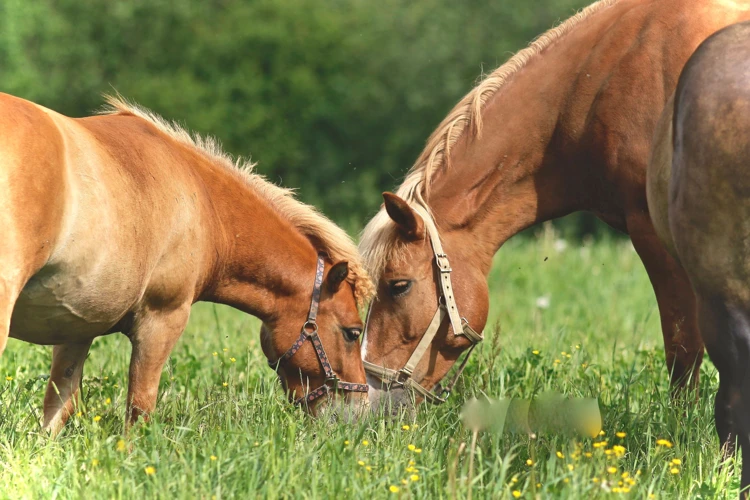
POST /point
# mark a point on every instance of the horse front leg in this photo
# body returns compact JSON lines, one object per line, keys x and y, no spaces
{"x":62,"y":388}
{"x":153,"y":336}
{"x":683,"y":344}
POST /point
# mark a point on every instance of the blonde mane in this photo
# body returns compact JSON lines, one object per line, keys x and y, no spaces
{"x":323,"y":233}
{"x":379,"y":241}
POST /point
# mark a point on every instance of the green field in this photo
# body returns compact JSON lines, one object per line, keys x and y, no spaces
{"x":223,"y":429}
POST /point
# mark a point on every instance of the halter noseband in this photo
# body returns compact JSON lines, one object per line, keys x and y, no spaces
{"x":310,"y":332}
{"x":446,"y":307}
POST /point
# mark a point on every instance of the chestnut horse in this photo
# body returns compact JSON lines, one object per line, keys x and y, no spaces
{"x":699,"y":195}
{"x":118,"y":223}
{"x":565,"y":125}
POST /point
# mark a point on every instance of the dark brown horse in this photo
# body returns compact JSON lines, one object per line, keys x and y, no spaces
{"x":699,"y":192}
{"x":118,"y":223}
{"x":565,"y":125}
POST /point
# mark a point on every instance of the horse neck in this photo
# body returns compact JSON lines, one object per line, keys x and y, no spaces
{"x":261,"y":258}
{"x":526,"y":166}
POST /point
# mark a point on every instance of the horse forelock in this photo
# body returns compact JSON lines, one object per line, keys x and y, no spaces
{"x":321,"y":231}
{"x":379,"y":241}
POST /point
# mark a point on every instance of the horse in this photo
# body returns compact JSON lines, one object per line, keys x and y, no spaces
{"x":700,"y":204}
{"x":565,"y":125}
{"x":120,"y":222}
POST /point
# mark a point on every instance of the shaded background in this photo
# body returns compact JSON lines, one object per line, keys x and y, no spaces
{"x":334,"y":97}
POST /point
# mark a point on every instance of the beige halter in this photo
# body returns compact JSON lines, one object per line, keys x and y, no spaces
{"x":446,"y":306}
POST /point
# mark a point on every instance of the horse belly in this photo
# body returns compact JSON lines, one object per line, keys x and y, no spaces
{"x":60,"y":305}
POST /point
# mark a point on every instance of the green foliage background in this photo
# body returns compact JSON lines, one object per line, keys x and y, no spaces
{"x":334,"y":97}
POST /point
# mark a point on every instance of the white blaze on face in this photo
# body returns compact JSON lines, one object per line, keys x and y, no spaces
{"x":363,"y":349}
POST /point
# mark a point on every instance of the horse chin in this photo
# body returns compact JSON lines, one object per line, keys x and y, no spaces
{"x":394,"y":402}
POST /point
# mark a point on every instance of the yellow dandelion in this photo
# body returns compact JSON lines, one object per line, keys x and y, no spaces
{"x":619,"y":450}
{"x":529,"y":462}
{"x":107,"y":401}
{"x":595,"y":480}
{"x":674,"y":470}
{"x":535,"y":352}
{"x":225,"y":384}
{"x":663,"y":442}
{"x":213,"y":458}
{"x":607,"y":452}
{"x":365,"y":442}
{"x":97,"y":418}
{"x":568,"y":356}
{"x":404,"y":481}
{"x":120,"y":446}
{"x":346,"y":443}
{"x":215,"y":353}
{"x":150,"y":471}
{"x":405,"y":427}
{"x":8,"y":378}
{"x":625,"y":489}
{"x":361,"y":463}
{"x":106,"y":378}
{"x":256,"y":443}
{"x":514,"y":479}
{"x":516,"y":494}
{"x":611,"y":470}
{"x":559,"y":454}
{"x":412,"y":462}
{"x":368,"y":468}
{"x":393,"y":488}
{"x":588,"y":454}
{"x":557,"y":361}
{"x":414,"y":477}
{"x":602,"y":433}
{"x":418,"y":450}
{"x":225,"y":349}
{"x":676,"y":461}
{"x":584,"y":365}
{"x":625,"y":474}
{"x":538,"y":485}
{"x":566,"y":480}
{"x":411,"y":469}
{"x":578,"y":346}
{"x":621,"y":434}
{"x":616,"y":490}
{"x":651,"y":495}
{"x":79,"y":414}
{"x":232,"y":359}
{"x":564,"y":353}
{"x":571,"y":467}
{"x":94,"y":462}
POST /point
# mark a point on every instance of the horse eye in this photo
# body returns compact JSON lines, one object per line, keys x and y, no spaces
{"x":352,"y":334}
{"x":399,"y":288}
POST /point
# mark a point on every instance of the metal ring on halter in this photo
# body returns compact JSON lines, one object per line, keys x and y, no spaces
{"x":312,"y":324}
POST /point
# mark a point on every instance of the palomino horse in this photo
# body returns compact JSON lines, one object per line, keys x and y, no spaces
{"x":565,"y":125}
{"x":118,"y":223}
{"x":699,"y":194}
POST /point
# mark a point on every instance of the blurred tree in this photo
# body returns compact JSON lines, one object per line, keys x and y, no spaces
{"x":335,"y":98}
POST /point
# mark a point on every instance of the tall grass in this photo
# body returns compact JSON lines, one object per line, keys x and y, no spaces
{"x":580,"y":320}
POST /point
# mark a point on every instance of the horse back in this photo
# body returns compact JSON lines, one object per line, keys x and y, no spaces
{"x":123,"y":218}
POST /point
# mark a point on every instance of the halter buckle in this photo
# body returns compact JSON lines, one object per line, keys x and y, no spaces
{"x":402,"y":380}
{"x":443,"y":264}
{"x":334,"y":383}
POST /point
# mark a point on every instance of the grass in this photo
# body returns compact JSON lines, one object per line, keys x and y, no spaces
{"x":211,"y":440}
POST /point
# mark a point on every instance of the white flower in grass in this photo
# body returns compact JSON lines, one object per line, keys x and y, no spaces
{"x":542,"y":302}
{"x":560,"y":245}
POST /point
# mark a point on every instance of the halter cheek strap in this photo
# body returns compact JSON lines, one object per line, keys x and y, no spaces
{"x":446,"y":307}
{"x":310,"y":332}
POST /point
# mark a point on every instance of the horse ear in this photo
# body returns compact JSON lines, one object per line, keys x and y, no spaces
{"x":337,"y":275}
{"x":411,"y":224}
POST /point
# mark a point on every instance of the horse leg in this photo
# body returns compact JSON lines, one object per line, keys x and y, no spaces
{"x":683,"y":344}
{"x":153,"y":336}
{"x":726,"y":330}
{"x":60,"y":400}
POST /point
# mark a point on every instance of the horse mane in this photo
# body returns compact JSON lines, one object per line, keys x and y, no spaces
{"x":321,"y":231}
{"x":379,"y":240}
